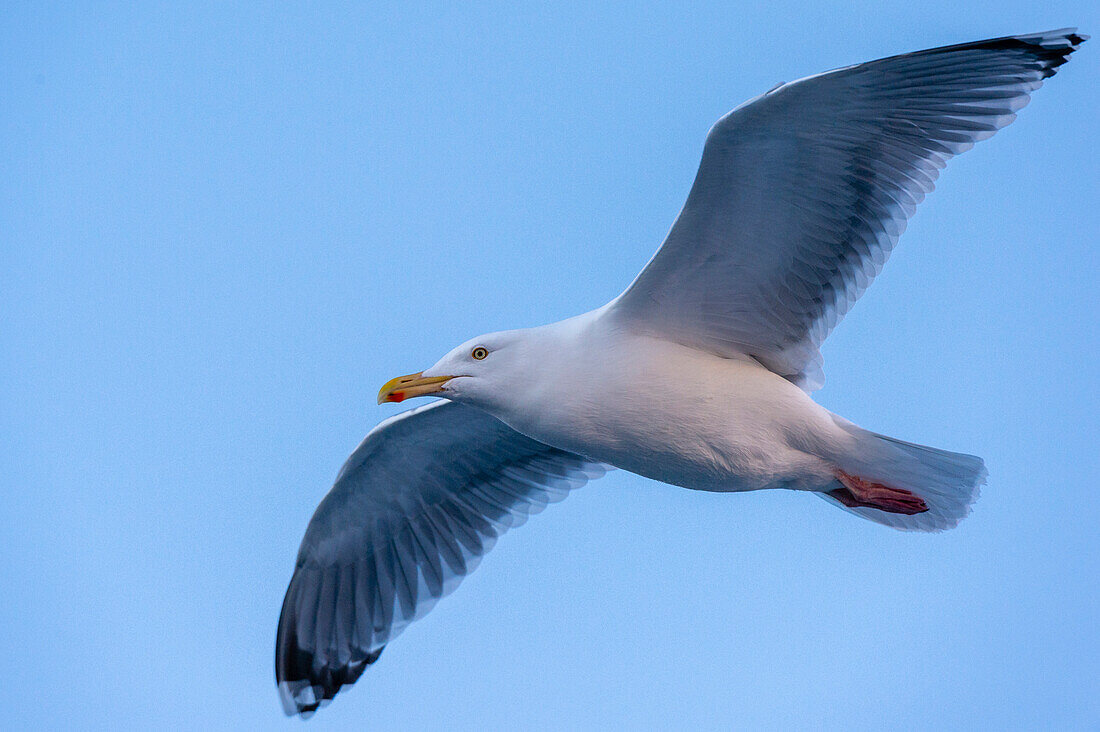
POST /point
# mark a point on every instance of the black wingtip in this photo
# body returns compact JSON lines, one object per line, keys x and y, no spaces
{"x":1057,"y":46}
{"x":1050,"y":48}
{"x":303,"y":690}
{"x":305,"y":685}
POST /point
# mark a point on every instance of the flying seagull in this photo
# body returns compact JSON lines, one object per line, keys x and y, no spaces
{"x":697,"y":375}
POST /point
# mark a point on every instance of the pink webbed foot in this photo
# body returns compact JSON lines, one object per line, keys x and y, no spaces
{"x":860,"y":493}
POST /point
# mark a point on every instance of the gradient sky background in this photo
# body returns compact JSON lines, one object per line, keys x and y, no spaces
{"x":223,"y":229}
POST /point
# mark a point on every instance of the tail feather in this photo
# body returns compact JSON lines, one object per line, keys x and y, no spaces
{"x":949,"y":482}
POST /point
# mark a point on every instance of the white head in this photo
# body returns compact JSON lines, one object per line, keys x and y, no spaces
{"x":481,"y":371}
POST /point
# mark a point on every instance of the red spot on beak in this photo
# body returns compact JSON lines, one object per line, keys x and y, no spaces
{"x":397,"y":396}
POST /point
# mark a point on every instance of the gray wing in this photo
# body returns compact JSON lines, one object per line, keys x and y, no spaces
{"x":803,"y":192}
{"x":415,"y":507}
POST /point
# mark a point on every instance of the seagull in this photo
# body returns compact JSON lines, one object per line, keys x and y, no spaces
{"x":699,"y":374}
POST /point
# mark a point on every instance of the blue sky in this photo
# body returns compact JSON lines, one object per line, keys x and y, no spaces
{"x":224,"y":228}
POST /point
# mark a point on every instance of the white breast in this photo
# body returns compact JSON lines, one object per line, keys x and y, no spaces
{"x":674,"y":414}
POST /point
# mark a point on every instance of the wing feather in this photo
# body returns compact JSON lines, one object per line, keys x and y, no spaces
{"x":803,"y":192}
{"x":414,"y":508}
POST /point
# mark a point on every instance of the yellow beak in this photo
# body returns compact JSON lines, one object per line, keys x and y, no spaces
{"x":413,"y":385}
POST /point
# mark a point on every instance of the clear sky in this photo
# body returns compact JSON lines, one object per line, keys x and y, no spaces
{"x":222,"y":229}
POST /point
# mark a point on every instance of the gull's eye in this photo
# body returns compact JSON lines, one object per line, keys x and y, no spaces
{"x":479,"y":353}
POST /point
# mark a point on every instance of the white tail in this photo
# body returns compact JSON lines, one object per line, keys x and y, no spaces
{"x":949,"y":482}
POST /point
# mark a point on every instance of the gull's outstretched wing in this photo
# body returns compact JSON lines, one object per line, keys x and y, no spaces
{"x":802,"y":193}
{"x":417,"y":504}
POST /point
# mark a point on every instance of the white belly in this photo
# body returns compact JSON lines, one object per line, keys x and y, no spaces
{"x":686,"y":417}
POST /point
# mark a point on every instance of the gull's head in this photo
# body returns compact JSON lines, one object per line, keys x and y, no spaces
{"x":480,"y":371}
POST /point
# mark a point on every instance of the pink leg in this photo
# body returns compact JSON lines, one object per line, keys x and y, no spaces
{"x":860,"y":493}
